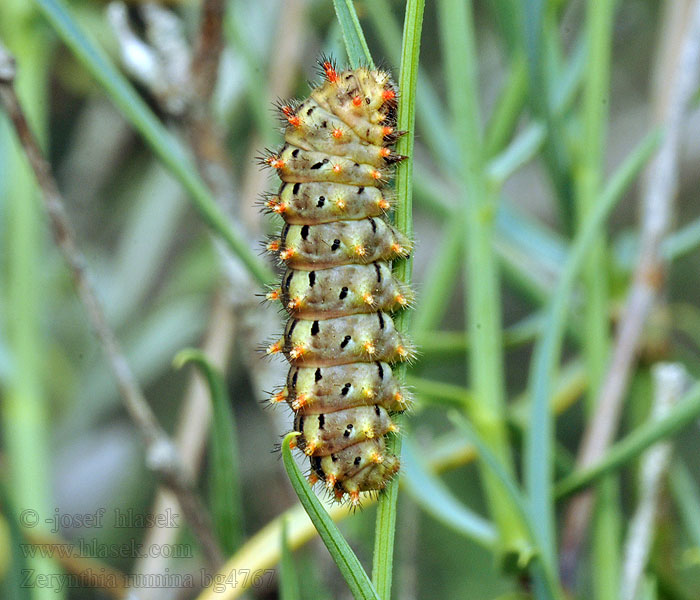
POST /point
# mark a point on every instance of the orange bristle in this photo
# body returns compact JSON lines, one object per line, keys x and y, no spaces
{"x":297,"y":352}
{"x":331,"y":73}
{"x":376,"y":174}
{"x":384,"y":152}
{"x":337,"y":133}
{"x":388,"y":95}
{"x":275,"y":162}
{"x":274,"y":246}
{"x":278,"y":397}
{"x":387,"y":131}
{"x":294,"y":304}
{"x":340,"y":203}
{"x":287,"y":253}
{"x":300,"y":401}
{"x":368,"y":298}
{"x":355,"y":498}
{"x":330,"y":481}
{"x":294,"y":121}
{"x":313,"y":479}
{"x":357,"y":101}
{"x":383,"y":204}
{"x":337,"y":168}
{"x":360,"y":250}
{"x":400,"y":299}
{"x":274,"y":294}
{"x":369,"y":348}
{"x":274,"y":348}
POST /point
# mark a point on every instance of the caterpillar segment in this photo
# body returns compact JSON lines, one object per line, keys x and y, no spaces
{"x":344,"y":340}
{"x":315,"y":390}
{"x":312,"y":203}
{"x":338,"y":287}
{"x":295,"y":165}
{"x":327,"y":245}
{"x":315,"y":129}
{"x":343,"y":290}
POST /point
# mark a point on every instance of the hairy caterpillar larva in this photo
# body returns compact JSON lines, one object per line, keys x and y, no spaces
{"x":338,"y":287}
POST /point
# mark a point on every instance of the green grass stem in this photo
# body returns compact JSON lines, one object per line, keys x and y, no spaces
{"x":353,"y":36}
{"x":481,"y":278}
{"x":385,"y":529}
{"x":428,"y":491}
{"x":289,"y":581}
{"x":25,"y":403}
{"x":588,"y":178}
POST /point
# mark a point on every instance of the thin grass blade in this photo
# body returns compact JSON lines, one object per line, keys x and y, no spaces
{"x":350,"y":567}
{"x":355,"y":43}
{"x":224,"y":482}
{"x":627,"y":449}
{"x":435,"y":499}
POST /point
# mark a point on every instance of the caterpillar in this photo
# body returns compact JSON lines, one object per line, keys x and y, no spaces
{"x":336,"y":246}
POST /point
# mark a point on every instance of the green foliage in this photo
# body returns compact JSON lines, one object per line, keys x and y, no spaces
{"x":526,"y":138}
{"x":224,"y":478}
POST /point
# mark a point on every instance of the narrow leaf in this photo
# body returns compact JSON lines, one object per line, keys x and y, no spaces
{"x":355,"y":43}
{"x":289,"y":581}
{"x":349,"y":565}
{"x":224,"y":481}
{"x":682,"y":414}
{"x":433,"y":497}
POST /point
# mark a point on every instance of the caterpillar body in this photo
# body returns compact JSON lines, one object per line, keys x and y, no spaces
{"x":338,"y":287}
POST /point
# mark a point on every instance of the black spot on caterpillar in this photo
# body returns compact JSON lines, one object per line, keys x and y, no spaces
{"x":341,"y":339}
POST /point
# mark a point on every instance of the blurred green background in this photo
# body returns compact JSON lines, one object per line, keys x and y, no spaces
{"x":69,"y":448}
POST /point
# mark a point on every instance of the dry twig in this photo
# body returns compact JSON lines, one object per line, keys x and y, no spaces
{"x":669,"y":383}
{"x":161,"y":454}
{"x":679,"y":63}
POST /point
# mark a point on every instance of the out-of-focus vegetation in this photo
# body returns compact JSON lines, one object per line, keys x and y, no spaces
{"x":554,"y":185}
